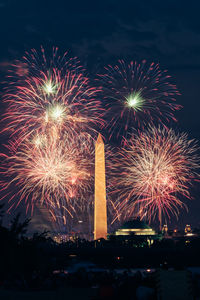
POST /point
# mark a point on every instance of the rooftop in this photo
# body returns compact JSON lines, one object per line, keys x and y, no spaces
{"x":135,"y":224}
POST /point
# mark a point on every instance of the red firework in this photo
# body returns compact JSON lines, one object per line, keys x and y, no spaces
{"x":49,"y":171}
{"x":157,"y":168}
{"x":50,"y":92}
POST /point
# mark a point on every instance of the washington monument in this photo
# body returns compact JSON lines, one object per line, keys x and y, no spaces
{"x":100,"y":209}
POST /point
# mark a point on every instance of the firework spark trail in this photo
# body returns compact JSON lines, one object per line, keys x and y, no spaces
{"x":52,"y":112}
{"x":136,"y":95}
{"x":157,"y":168}
{"x":54,"y":172}
{"x":81,"y":205}
{"x":51,"y":106}
{"x":51,"y":172}
{"x":50,"y":92}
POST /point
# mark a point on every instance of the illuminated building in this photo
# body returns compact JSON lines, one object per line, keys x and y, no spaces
{"x":135,"y":233}
{"x":165,"y":229}
{"x":61,"y":238}
{"x":135,"y":227}
{"x":100,"y":209}
{"x":188,"y":229}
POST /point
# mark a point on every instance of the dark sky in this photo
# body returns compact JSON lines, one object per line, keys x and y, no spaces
{"x":99,"y":32}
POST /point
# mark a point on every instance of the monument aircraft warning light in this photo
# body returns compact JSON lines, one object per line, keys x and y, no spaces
{"x":100,"y":209}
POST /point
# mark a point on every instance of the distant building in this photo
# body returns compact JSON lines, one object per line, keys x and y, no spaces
{"x":165,"y":229}
{"x":135,"y":227}
{"x":188,"y":229}
{"x":136,"y":233}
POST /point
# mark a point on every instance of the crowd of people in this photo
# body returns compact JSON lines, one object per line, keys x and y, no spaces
{"x":103,"y":285}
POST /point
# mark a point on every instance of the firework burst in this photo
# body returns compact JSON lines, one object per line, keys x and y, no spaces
{"x":50,"y":171}
{"x":54,"y":172}
{"x":157,"y":168}
{"x":136,"y":95}
{"x":48,"y":93}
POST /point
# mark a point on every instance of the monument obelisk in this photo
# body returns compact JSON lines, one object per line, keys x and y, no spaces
{"x":100,"y":209}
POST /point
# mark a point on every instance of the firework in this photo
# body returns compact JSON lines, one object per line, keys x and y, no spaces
{"x":56,"y":173}
{"x":52,"y":92}
{"x":136,"y":95}
{"x":50,"y":171}
{"x":157,"y":168}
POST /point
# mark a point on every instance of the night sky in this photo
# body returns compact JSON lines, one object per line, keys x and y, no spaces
{"x":101,"y":32}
